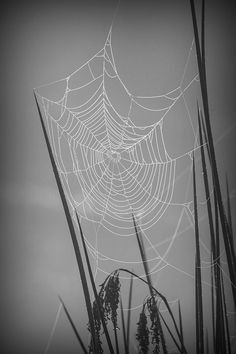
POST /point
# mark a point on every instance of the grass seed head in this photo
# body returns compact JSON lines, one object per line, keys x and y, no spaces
{"x":155,"y":324}
{"x":142,"y":334}
{"x":111,"y":298}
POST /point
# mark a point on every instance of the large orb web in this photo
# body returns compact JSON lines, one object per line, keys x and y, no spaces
{"x":120,"y":154}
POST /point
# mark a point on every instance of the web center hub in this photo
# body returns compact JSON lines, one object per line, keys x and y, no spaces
{"x":113,"y":155}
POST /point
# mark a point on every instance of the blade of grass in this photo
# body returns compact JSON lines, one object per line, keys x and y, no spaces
{"x":197,"y":319}
{"x":73,"y":326}
{"x":198,"y":287}
{"x":123,"y":326}
{"x":71,"y":228}
{"x":181,"y":326}
{"x":213,"y":273}
{"x":203,"y":38}
{"x":143,"y":256}
{"x":207,"y":343}
{"x":205,"y":137}
{"x":229,"y":211}
{"x":220,"y":345}
{"x":225,"y":316}
{"x":116,"y":341}
{"x":170,"y":333}
{"x":53,"y":330}
{"x":207,"y":189}
{"x":145,"y":265}
{"x":94,"y":288}
{"x":229,"y":214}
{"x":210,"y":222}
{"x":129,"y":311}
{"x":229,"y":222}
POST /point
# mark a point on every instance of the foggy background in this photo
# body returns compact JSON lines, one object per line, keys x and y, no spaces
{"x":44,"y":41}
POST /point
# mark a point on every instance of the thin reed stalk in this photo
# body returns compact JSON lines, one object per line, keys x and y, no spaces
{"x":229,"y":221}
{"x":220,"y":344}
{"x":73,"y":326}
{"x":207,"y":343}
{"x":71,"y":228}
{"x":116,"y":340}
{"x":198,"y":284}
{"x":229,"y":214}
{"x":145,"y":265}
{"x":210,"y":222}
{"x":213,"y":317}
{"x":129,"y":310}
{"x":207,"y":190}
{"x":170,"y":333}
{"x":225,"y":317}
{"x":181,"y":326}
{"x":100,"y":309}
{"x":123,"y":327}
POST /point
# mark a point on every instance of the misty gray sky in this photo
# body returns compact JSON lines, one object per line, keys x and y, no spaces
{"x":45,"y":41}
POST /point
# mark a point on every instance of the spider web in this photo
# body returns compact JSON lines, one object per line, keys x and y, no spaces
{"x":111,"y":167}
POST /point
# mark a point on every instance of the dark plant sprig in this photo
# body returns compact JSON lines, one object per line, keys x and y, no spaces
{"x":111,"y":298}
{"x":142,"y":334}
{"x":110,"y":295}
{"x":155,"y":327}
